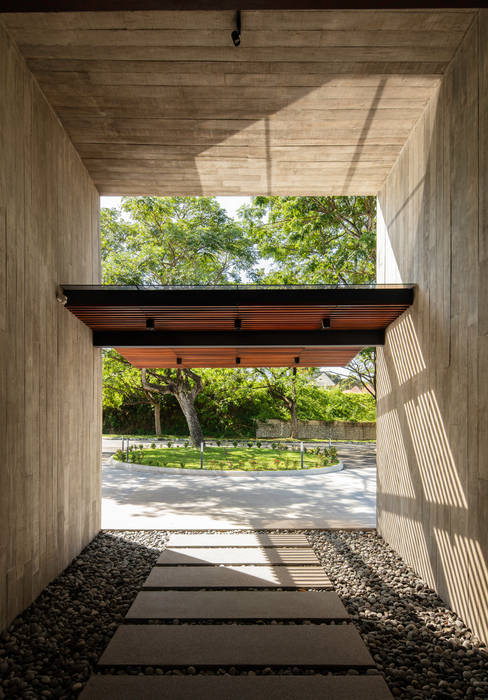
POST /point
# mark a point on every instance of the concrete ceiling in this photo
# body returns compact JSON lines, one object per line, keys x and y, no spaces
{"x":311,"y":102}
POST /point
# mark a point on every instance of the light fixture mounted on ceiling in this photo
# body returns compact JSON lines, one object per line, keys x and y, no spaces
{"x":236,"y":34}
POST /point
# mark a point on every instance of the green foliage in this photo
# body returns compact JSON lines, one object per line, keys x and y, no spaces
{"x":318,"y":240}
{"x":315,"y":403}
{"x":173,"y":240}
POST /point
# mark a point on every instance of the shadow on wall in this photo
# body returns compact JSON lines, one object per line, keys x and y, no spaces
{"x":431,"y":443}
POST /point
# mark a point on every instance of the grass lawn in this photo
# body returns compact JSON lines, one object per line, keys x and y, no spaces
{"x":231,"y":458}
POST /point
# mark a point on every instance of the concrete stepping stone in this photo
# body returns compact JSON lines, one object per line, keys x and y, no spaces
{"x":332,"y":646}
{"x":237,"y":577}
{"x":236,"y":688}
{"x":255,"y":539}
{"x":200,"y":556}
{"x":237,"y":605}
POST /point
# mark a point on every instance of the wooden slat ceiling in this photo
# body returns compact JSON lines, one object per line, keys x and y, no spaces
{"x":186,"y":321}
{"x":311,"y":102}
{"x":178,"y":358}
{"x":253,"y":318}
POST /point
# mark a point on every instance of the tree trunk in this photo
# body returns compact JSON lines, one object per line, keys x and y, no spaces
{"x":157,"y":417}
{"x":292,"y":407}
{"x":188,"y":408}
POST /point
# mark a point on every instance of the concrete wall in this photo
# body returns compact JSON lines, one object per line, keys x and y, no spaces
{"x":433,"y":372}
{"x":317,"y":430}
{"x":49,"y":372}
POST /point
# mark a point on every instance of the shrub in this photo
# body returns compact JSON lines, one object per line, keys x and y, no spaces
{"x":235,"y":443}
{"x":258,"y":444}
{"x":182,"y":465}
{"x":219,"y":442}
{"x":153,"y":446}
{"x":186,"y":443}
{"x":249,"y":444}
{"x":169,"y":443}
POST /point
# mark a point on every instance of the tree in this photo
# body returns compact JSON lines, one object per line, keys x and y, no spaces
{"x":282,"y":383}
{"x":122,"y":386}
{"x":185,"y":385}
{"x":319,"y":240}
{"x":361,"y":371}
{"x":172,"y":240}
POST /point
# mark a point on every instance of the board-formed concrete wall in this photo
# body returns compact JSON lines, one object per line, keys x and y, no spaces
{"x":317,"y":430}
{"x":433,"y":372}
{"x":50,"y":378}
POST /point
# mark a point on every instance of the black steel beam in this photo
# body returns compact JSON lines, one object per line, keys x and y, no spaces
{"x":235,"y":296}
{"x":237,"y":339}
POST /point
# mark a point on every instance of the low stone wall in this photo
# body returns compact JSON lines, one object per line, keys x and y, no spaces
{"x":317,"y":430}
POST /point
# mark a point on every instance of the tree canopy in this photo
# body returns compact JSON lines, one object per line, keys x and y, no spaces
{"x":317,"y":240}
{"x":174,"y":240}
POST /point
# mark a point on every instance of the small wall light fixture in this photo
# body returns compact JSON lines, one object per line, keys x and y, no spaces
{"x":238,"y":360}
{"x":326,"y":323}
{"x":296,"y":360}
{"x":237,"y":324}
{"x":236,"y":34}
{"x":178,"y":360}
{"x":150,"y":324}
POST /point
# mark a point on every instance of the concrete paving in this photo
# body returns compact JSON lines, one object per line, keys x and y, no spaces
{"x":336,"y":646}
{"x":294,"y":577}
{"x":200,"y":556}
{"x":238,"y":539}
{"x":236,"y":688}
{"x":237,"y":605}
{"x":210,"y":642}
{"x":152,"y":499}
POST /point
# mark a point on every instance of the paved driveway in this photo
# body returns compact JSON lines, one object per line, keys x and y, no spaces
{"x":154,"y":500}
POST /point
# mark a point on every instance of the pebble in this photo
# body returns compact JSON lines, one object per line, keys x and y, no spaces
{"x":421,"y":647}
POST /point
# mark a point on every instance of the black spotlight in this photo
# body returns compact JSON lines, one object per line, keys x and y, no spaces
{"x":237,"y":324}
{"x":150,"y":324}
{"x":297,"y":360}
{"x":326,"y":323}
{"x":238,"y":360}
{"x":236,"y":34}
{"x":178,"y":360}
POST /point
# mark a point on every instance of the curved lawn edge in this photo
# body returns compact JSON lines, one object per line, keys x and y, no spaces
{"x":178,"y":470}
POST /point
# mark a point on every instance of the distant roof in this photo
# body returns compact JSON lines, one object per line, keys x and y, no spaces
{"x":323,"y":380}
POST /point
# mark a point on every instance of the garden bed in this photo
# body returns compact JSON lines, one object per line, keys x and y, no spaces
{"x":231,"y":458}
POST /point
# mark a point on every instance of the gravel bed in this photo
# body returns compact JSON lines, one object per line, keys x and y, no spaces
{"x":52,"y":647}
{"x":420,"y":646}
{"x":423,"y":649}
